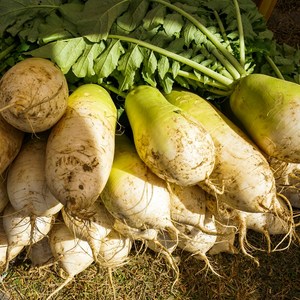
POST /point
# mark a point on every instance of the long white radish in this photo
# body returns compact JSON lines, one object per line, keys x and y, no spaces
{"x":173,"y":144}
{"x":73,"y":254}
{"x":114,"y":250}
{"x":33,"y":95}
{"x":11,"y":141}
{"x":269,"y":110}
{"x":92,"y":229}
{"x":26,"y":182}
{"x":242,"y":177}
{"x":80,"y":148}
{"x":197,"y":242}
{"x":23,"y":230}
{"x":134,"y":194}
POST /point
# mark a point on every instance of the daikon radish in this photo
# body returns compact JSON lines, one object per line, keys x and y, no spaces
{"x":173,"y":144}
{"x":269,"y":110}
{"x":135,"y":195}
{"x":33,"y":95}
{"x":26,"y":182}
{"x":11,"y":141}
{"x":74,"y":254}
{"x":197,"y":242}
{"x":92,"y":229}
{"x":80,"y":148}
{"x":22,"y":230}
{"x":242,"y":177}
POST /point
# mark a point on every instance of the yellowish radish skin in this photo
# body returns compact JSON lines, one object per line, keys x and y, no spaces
{"x":133,"y":194}
{"x":269,"y":109}
{"x":171,"y":142}
{"x":33,"y":95}
{"x":11,"y":142}
{"x":26,"y":182}
{"x":80,"y":148}
{"x":242,"y":177}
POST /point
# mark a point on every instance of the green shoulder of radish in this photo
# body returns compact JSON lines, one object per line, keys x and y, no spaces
{"x":269,"y":110}
{"x":241,"y":177}
{"x":173,"y":144}
{"x":33,"y":95}
{"x":80,"y":148}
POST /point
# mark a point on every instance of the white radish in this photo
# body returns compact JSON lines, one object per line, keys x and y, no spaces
{"x":11,"y":141}
{"x":26,"y":182}
{"x":197,"y":242}
{"x":135,"y":195}
{"x":173,"y":144}
{"x":33,"y":95}
{"x":74,"y":254}
{"x":92,"y":229}
{"x":80,"y":148}
{"x":242,"y":177}
{"x":114,"y":250}
{"x":23,"y":230}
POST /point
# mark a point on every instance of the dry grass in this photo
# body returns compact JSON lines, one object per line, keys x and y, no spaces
{"x":147,"y":276}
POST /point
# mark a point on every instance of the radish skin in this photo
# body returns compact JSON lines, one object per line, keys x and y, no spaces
{"x":93,"y":229}
{"x":171,"y":143}
{"x":135,"y":195}
{"x":33,"y":95}
{"x":269,"y":110}
{"x":73,"y":254}
{"x":26,"y":182}
{"x":242,"y":177}
{"x":11,"y":140}
{"x":80,"y":148}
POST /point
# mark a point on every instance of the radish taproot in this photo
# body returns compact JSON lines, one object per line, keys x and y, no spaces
{"x":26,"y":182}
{"x":80,"y":148}
{"x":11,"y":140}
{"x":242,"y":177}
{"x":94,"y":228}
{"x":269,"y":109}
{"x":73,"y":254}
{"x":33,"y":95}
{"x":171,"y":142}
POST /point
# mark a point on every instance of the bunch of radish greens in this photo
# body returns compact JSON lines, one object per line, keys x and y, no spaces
{"x":182,"y":174}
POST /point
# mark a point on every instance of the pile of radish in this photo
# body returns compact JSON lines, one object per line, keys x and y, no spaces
{"x":75,"y":190}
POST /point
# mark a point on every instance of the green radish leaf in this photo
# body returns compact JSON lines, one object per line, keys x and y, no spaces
{"x":128,"y":65}
{"x":107,"y":62}
{"x":96,"y":20}
{"x":64,"y":53}
{"x":154,"y":17}
{"x":149,"y":68}
{"x":163,"y":66}
{"x":132,"y":18}
{"x":175,"y":68}
{"x":17,"y":12}
{"x":173,"y":24}
{"x":84,"y":67}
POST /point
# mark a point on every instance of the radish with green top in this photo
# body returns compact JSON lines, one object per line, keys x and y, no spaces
{"x":33,"y":95}
{"x":80,"y":148}
{"x":173,"y":144}
{"x":242,"y":177}
{"x":269,"y":110}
